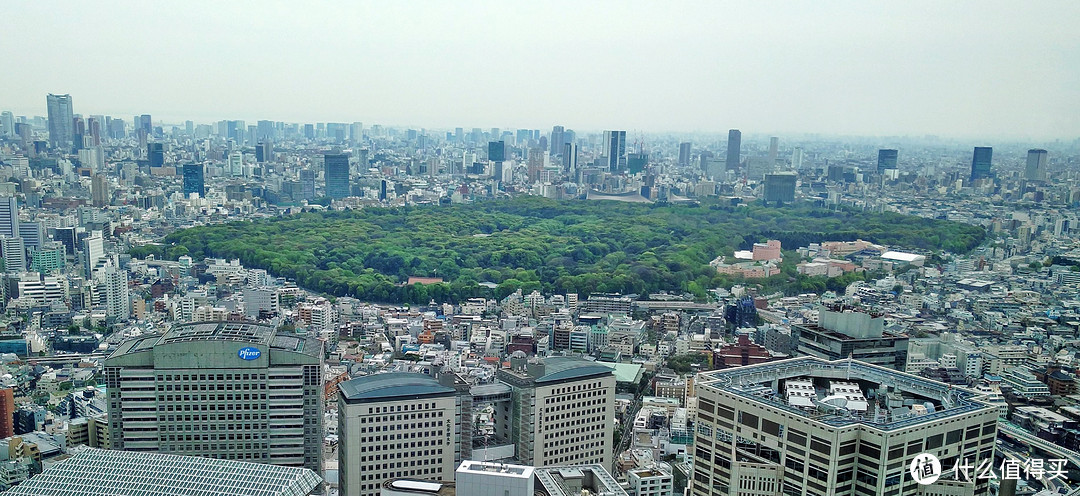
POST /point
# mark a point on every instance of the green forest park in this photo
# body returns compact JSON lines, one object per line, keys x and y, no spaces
{"x":537,"y":243}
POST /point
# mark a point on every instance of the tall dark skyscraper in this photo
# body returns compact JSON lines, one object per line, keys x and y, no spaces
{"x":61,"y":121}
{"x":155,"y":154}
{"x":615,"y":150}
{"x":774,"y":148}
{"x":569,"y":157}
{"x":684,"y":153}
{"x":337,"y":175}
{"x":780,"y":188}
{"x":146,"y":124}
{"x":636,"y":162}
{"x":734,"y":148}
{"x":264,"y":151}
{"x":307,"y":184}
{"x":557,"y":139}
{"x":1036,"y":165}
{"x":194,"y":180}
{"x":497,"y":151}
{"x":886,"y":159}
{"x":980,"y":162}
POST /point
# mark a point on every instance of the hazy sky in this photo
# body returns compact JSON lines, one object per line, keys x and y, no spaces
{"x":953,"y":68}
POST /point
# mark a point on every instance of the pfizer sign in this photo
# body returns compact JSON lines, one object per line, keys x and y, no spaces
{"x":249,"y":353}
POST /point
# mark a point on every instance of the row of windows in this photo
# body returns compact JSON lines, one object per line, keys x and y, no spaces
{"x":577,"y":387}
{"x":411,"y":435}
{"x":397,"y":418}
{"x":217,"y":397}
{"x":204,"y":387}
{"x":211,"y":377}
{"x":400,"y":427}
{"x":401,"y":408}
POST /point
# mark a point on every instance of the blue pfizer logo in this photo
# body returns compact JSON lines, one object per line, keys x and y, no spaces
{"x":249,"y":353}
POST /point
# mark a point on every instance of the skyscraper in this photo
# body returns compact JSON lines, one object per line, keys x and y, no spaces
{"x":774,"y":149}
{"x":155,"y":154}
{"x":555,"y":146}
{"x":240,"y":391}
{"x":684,"y":153}
{"x":1036,"y":165}
{"x":812,"y":427}
{"x":61,"y":121}
{"x":13,"y":252}
{"x":886,"y":159}
{"x":117,"y":299}
{"x":307,"y":184}
{"x":797,"y":156}
{"x":7,"y":124}
{"x":194,"y":180}
{"x":336,"y":166}
{"x":264,"y":152}
{"x":374,"y":411}
{"x":734,"y":148}
{"x":145,"y":123}
{"x":615,"y":150}
{"x":497,"y":151}
{"x":99,"y":190}
{"x":980,"y":162}
{"x":9,"y":216}
{"x":780,"y":188}
{"x":561,"y":412}
{"x":569,"y":157}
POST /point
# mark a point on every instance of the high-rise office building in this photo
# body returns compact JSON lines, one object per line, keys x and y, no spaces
{"x":1036,"y":165}
{"x":497,"y":151}
{"x":235,"y":165}
{"x":155,"y":154}
{"x":636,"y":162}
{"x":614,"y":151}
{"x":797,"y":156}
{"x":13,"y":252}
{"x":7,"y":413}
{"x":811,"y":427}
{"x":61,"y":121}
{"x":980,"y":162}
{"x":145,"y":123}
{"x":780,"y":188}
{"x":886,"y":159}
{"x":93,"y":247}
{"x":843,"y":333}
{"x":734,"y":149}
{"x":684,"y":153}
{"x":117,"y":298}
{"x":558,"y":139}
{"x":336,"y":167}
{"x":569,"y":158}
{"x":230,"y":390}
{"x":99,"y":190}
{"x":307,"y":184}
{"x":562,"y":411}
{"x":264,"y":151}
{"x":194,"y":180}
{"x":774,"y":149}
{"x":400,"y":424}
{"x":7,"y":124}
{"x":9,"y":216}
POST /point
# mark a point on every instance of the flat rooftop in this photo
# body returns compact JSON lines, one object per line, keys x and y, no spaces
{"x":238,"y":332}
{"x":756,"y":383}
{"x":97,"y":472}
{"x":390,"y":386}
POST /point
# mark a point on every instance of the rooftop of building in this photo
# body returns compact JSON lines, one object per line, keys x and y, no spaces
{"x":557,"y":369}
{"x":420,"y":486}
{"x":756,"y":383}
{"x":391,"y":385}
{"x":96,"y":472}
{"x":226,"y":331}
{"x":502,"y":469}
{"x":570,"y":480}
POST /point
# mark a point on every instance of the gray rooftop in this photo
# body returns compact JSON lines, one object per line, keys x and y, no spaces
{"x":563,"y":368}
{"x":238,"y":332}
{"x":392,"y":385}
{"x":96,"y":472}
{"x":755,"y":383}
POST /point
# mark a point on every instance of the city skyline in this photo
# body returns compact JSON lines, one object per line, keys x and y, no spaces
{"x":834,"y":69}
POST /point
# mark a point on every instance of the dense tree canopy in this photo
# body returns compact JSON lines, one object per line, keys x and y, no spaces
{"x":534,"y":243}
